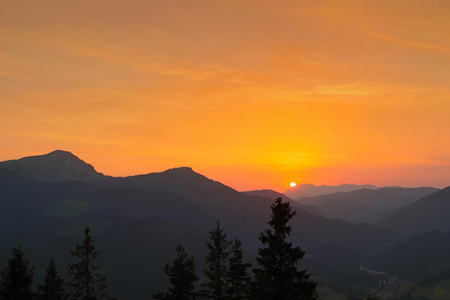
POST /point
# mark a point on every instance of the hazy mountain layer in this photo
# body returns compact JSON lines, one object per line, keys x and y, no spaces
{"x":311,"y":190}
{"x":366,"y":205}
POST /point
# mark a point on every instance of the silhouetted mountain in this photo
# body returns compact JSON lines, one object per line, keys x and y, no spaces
{"x":311,"y":190}
{"x":136,"y":231}
{"x":428,"y":213}
{"x":422,"y":257}
{"x":366,"y":205}
{"x":56,"y":166}
{"x":137,"y":222}
{"x":274,"y":195}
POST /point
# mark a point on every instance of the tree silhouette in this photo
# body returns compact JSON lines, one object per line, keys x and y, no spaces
{"x":86,"y":281}
{"x":278,"y":277}
{"x":215,"y":283}
{"x":182,"y":278}
{"x":17,"y":277}
{"x":53,"y":287}
{"x":237,"y":275}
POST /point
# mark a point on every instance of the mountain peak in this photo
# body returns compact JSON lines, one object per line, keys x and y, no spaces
{"x":58,"y":165}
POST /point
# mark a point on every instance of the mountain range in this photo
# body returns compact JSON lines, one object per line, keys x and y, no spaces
{"x":310,"y":190}
{"x":366,"y":205}
{"x":137,"y":221}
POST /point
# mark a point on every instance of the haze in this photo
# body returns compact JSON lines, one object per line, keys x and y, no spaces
{"x":254,"y":94}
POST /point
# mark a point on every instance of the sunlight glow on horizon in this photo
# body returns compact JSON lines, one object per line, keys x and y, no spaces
{"x":251,"y":94}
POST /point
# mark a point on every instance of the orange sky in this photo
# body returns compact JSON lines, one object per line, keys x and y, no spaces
{"x":254,"y":94}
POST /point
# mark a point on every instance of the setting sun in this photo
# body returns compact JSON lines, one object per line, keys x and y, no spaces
{"x":161,"y":92}
{"x":293,"y":184}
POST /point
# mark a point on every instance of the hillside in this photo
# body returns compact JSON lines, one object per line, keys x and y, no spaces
{"x":366,"y":205}
{"x":274,"y":195}
{"x":429,"y":213}
{"x":145,"y":217}
{"x":421,"y":257}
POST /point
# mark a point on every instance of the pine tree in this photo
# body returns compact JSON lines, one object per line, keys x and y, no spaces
{"x":182,"y":278}
{"x":278,"y":277}
{"x":86,"y":281}
{"x":215,"y":282}
{"x":53,"y":288}
{"x":17,"y":277}
{"x":237,"y":274}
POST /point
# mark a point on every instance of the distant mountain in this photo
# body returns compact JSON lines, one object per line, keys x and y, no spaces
{"x":366,"y":205}
{"x":311,"y":190}
{"x":56,"y":166}
{"x":274,"y":195}
{"x":429,"y":213}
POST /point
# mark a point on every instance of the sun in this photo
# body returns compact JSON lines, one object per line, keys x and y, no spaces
{"x":293,"y":184}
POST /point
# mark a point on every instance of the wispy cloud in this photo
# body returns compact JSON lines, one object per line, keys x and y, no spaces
{"x":188,"y":71}
{"x":366,"y":89}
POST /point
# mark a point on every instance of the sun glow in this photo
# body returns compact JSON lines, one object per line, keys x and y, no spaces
{"x":293,"y":184}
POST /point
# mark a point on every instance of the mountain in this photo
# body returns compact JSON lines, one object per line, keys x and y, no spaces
{"x":138,"y":221}
{"x":55,"y":166}
{"x":429,"y":213}
{"x":366,"y":205}
{"x":311,"y":190}
{"x":421,"y":257}
{"x":274,"y":195}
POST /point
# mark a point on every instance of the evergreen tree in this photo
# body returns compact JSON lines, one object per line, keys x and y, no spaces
{"x":53,"y":288}
{"x":237,"y":274}
{"x":215,"y":281}
{"x":182,"y":278}
{"x":17,"y":277}
{"x":278,"y":277}
{"x":86,"y":281}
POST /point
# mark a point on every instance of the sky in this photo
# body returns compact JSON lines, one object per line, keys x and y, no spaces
{"x":254,"y":94}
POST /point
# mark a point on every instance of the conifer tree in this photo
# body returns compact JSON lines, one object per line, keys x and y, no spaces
{"x":215,"y":283}
{"x":278,"y":277}
{"x":17,"y":277}
{"x":237,"y":275}
{"x":53,"y":287}
{"x":182,"y":278}
{"x":86,"y":281}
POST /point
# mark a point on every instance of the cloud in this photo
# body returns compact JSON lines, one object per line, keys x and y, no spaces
{"x":186,"y":70}
{"x":371,"y":89}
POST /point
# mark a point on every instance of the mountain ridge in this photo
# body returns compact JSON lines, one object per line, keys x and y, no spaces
{"x":311,"y":190}
{"x":58,"y":165}
{"x":147,"y":215}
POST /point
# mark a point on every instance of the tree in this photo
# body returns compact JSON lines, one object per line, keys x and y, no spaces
{"x":237,"y":275}
{"x":182,"y":278}
{"x":215,"y":282}
{"x":17,"y":277}
{"x":278,"y":277}
{"x":86,"y":281}
{"x":53,"y":288}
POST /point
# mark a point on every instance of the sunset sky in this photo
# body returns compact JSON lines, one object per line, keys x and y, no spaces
{"x":254,"y":94}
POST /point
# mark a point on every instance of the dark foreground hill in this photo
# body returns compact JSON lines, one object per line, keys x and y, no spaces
{"x":137,"y":222}
{"x":274,"y":195}
{"x":422,"y":257}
